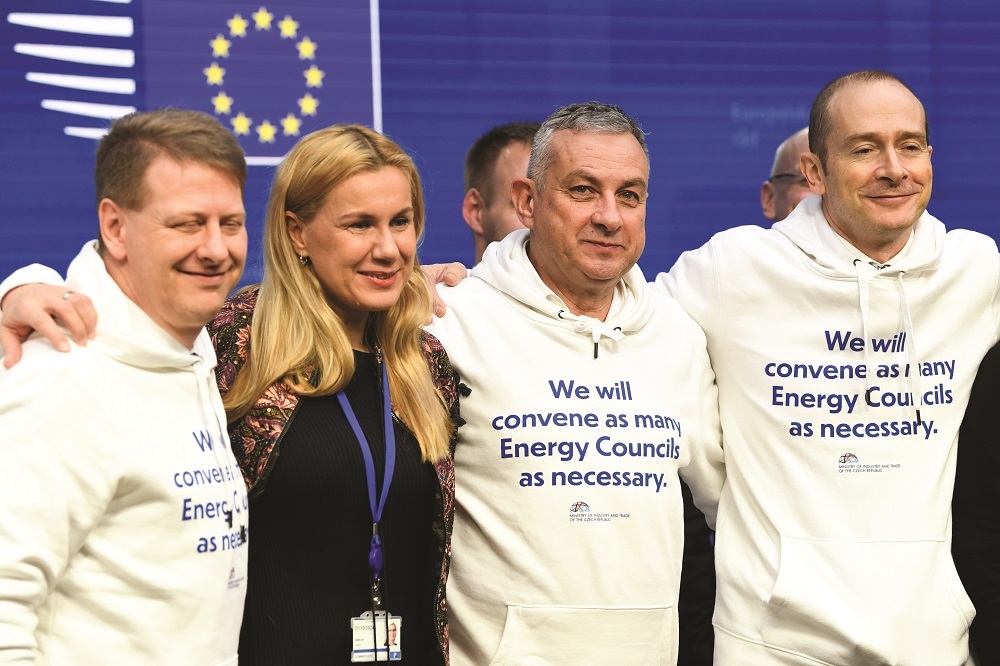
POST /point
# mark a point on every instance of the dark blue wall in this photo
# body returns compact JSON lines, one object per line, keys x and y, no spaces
{"x":717,"y":84}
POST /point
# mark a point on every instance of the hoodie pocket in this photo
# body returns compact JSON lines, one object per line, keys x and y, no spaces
{"x":537,"y":635}
{"x":868,"y":603}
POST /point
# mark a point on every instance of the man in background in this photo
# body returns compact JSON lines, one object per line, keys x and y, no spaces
{"x":493,"y":162}
{"x":786,"y":186}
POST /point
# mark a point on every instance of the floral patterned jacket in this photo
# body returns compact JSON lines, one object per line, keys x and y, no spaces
{"x":256,"y":438}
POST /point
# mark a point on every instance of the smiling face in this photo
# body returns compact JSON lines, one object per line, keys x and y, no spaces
{"x":587,"y":217}
{"x":180,"y":255}
{"x":877,"y":178}
{"x":362,"y":244}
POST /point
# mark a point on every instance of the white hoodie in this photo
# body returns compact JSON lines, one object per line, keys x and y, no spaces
{"x":834,"y":527}
{"x":567,"y":548}
{"x":115,"y":473}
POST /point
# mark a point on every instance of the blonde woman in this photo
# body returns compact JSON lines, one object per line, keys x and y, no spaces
{"x":351,"y":519}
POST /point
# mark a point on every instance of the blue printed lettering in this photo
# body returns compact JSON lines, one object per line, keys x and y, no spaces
{"x":563,"y":390}
{"x":618,"y":391}
{"x":883,"y":429}
{"x":841,"y":340}
{"x":198,"y":477}
{"x":561,"y":419}
{"x":199,"y":510}
{"x":566,"y":451}
{"x":607,"y":448}
{"x":605,"y":478}
{"x":203,"y":439}
{"x":658,"y":422}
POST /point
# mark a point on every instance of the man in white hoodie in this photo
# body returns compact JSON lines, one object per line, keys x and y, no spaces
{"x":587,"y":393}
{"x":122,"y":511}
{"x":845,"y":340}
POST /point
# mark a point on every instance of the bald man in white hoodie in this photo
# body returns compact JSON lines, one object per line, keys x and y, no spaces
{"x":845,"y":339}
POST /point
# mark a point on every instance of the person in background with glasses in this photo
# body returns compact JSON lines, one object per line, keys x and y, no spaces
{"x":786,"y":187}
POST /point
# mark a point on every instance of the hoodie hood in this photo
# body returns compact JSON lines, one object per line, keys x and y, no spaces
{"x":832,"y":256}
{"x":128,"y":335}
{"x":506,"y":267}
{"x":124,"y":331}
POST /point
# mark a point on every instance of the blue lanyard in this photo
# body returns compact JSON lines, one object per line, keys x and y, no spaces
{"x":375,"y":558}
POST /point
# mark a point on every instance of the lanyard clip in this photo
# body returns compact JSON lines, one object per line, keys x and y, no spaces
{"x":376,"y":593}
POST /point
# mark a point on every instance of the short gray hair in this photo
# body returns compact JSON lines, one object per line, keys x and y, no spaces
{"x":592,"y":117}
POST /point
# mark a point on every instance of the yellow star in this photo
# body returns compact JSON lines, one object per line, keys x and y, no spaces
{"x":314,"y":77}
{"x":266,"y":132}
{"x":288,"y":27}
{"x":237,"y":26}
{"x":220,"y":47}
{"x":214,"y":74}
{"x":241,"y":124}
{"x":223,"y":102}
{"x":291,"y":125}
{"x":262,"y":19}
{"x":307,"y":49}
{"x":308,"y":105}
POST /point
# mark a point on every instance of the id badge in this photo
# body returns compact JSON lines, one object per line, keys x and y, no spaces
{"x":376,"y":637}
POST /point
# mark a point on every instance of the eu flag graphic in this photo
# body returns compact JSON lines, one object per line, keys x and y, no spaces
{"x":271,"y":72}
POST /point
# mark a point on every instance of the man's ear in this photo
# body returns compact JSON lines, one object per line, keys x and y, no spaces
{"x":472,"y":210}
{"x":812,"y":169}
{"x":296,"y":233}
{"x":767,"y":200}
{"x":523,"y":194}
{"x":111,"y":219}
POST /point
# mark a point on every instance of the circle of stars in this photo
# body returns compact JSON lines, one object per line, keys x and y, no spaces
{"x":263,"y":20}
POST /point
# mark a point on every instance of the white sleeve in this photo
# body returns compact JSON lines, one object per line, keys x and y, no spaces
{"x":28,"y":275}
{"x":705,"y":472}
{"x":693,"y":282}
{"x":54,"y":488}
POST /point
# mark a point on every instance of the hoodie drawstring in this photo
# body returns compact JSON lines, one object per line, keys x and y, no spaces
{"x":595,"y":327}
{"x":863,"y":303}
{"x":911,"y":346}
{"x":912,"y":359}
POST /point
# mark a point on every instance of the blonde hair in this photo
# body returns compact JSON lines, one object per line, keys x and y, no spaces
{"x":296,"y":337}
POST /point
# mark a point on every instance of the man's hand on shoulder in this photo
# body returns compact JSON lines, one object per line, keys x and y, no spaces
{"x":43,"y":308}
{"x":449,"y":274}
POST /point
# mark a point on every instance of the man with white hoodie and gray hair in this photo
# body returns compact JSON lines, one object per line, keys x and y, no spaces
{"x":588,"y":393}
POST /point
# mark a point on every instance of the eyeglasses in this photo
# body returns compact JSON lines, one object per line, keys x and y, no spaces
{"x":800,"y":180}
